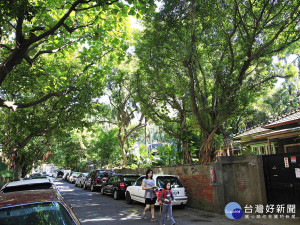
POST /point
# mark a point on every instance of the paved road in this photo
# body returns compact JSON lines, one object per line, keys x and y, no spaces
{"x":92,"y":208}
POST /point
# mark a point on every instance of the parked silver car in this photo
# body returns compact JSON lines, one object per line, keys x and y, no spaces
{"x":80,"y":180}
{"x":73,"y":177}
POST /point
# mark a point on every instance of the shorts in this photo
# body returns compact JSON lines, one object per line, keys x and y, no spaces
{"x":148,"y":201}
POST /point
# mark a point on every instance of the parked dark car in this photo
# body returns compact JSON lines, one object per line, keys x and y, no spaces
{"x":96,"y":178}
{"x":116,"y":185}
{"x":59,"y":174}
{"x":34,"y":207}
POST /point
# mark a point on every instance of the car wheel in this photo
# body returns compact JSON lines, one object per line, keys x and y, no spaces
{"x":182,"y":206}
{"x":102,"y":191}
{"x":128,"y":198}
{"x":116,"y":195}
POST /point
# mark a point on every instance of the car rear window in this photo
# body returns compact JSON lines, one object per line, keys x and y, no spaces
{"x":105,"y":173}
{"x":76,"y":174}
{"x":162,"y":180}
{"x":130,"y":178}
{"x":27,"y":187}
{"x":33,"y":214}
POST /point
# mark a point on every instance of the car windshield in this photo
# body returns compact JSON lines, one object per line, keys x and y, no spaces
{"x":162,"y":180}
{"x":34,"y":214}
{"x":131,"y":178}
{"x":24,"y":187}
{"x":36,"y":175}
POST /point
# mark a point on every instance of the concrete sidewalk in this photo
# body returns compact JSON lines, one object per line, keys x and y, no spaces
{"x":209,"y":218}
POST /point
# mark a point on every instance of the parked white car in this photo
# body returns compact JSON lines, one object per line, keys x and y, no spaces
{"x":73,"y":177}
{"x":80,"y":180}
{"x":135,"y":192}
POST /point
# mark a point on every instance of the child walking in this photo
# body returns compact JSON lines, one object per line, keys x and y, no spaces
{"x":167,"y":198}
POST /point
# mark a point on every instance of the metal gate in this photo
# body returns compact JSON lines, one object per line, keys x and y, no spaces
{"x":282,"y":178}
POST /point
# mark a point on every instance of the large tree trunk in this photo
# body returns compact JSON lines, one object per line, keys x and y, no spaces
{"x":122,"y":143}
{"x":18,"y":171}
{"x":225,"y":142}
{"x":186,"y":154}
{"x":24,"y":171}
{"x":146,"y":135}
{"x":205,"y":150}
{"x":180,"y":151}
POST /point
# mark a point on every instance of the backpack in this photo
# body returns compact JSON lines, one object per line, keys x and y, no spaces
{"x":164,"y":192}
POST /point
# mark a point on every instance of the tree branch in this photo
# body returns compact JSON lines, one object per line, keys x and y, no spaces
{"x":19,"y":29}
{"x":105,"y":121}
{"x":5,"y":46}
{"x":26,"y":105}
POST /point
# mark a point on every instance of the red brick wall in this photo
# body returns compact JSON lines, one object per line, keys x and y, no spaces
{"x":196,"y":180}
{"x":198,"y":187}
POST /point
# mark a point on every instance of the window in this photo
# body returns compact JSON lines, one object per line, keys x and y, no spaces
{"x":139,"y":181}
{"x":262,"y":150}
{"x":255,"y":149}
{"x":273,"y":150}
{"x":162,"y":180}
{"x":130,"y":178}
{"x":34,"y":186}
{"x":112,"y":179}
{"x":38,"y":213}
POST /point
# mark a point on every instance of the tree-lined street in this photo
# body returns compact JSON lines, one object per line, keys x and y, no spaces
{"x":136,"y":84}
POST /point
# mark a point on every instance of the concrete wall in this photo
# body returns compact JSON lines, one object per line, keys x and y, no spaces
{"x":238,"y":179}
{"x":241,"y":179}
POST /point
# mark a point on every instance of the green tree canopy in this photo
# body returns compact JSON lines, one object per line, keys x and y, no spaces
{"x":224,"y":51}
{"x":31,"y":29}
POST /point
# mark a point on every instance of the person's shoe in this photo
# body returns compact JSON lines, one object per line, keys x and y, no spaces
{"x":143,"y":215}
{"x":168,"y":218}
{"x":152,"y":219}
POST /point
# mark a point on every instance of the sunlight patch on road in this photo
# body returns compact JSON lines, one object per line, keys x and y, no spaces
{"x":99,"y":219}
{"x":130,"y":214}
{"x":65,"y":190}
